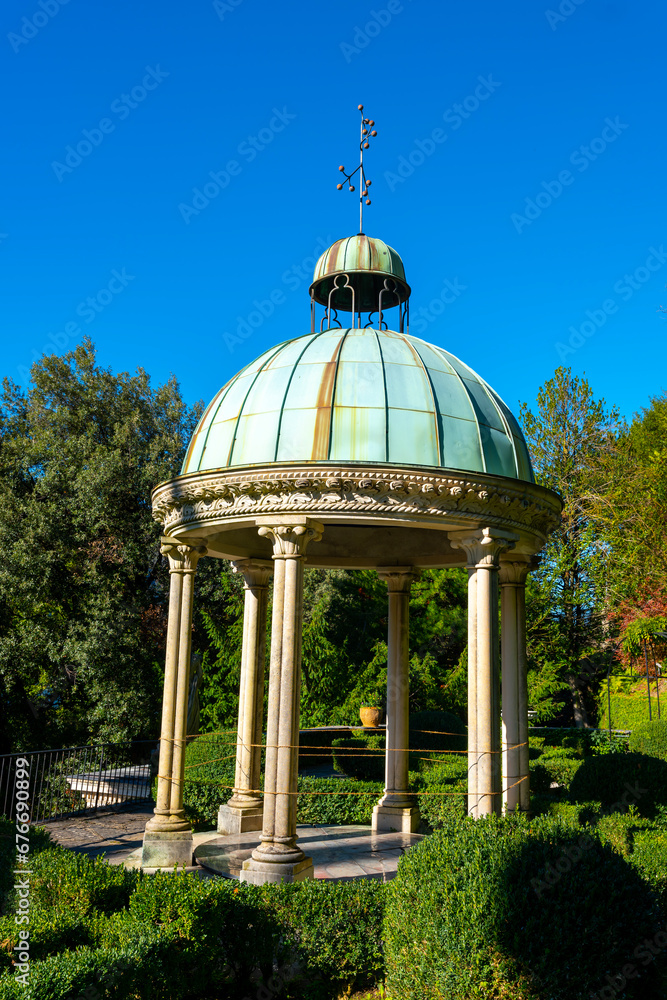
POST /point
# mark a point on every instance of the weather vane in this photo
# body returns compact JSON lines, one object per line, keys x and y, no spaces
{"x":367,"y":131}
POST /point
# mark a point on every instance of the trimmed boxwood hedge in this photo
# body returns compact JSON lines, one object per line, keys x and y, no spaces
{"x":179,"y":936}
{"x":481,"y":909}
{"x":649,"y":856}
{"x":361,"y":755}
{"x":210,"y":763}
{"x":434,"y":736}
{"x":436,"y":731}
{"x":561,"y":764}
{"x":346,"y":802}
{"x":472,"y":914}
{"x":618,"y":780}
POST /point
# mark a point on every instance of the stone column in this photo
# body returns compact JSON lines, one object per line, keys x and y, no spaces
{"x":278,"y":856}
{"x":472,"y":686}
{"x":168,"y":835}
{"x":243,"y":811}
{"x":514,"y":685}
{"x":397,"y":809}
{"x":483,"y":548}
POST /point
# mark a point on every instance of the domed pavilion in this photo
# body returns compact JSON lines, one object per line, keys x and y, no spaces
{"x":352,"y":446}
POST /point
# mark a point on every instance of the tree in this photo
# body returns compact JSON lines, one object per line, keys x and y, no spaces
{"x":572,"y":438}
{"x":633,"y":510}
{"x":83,"y":586}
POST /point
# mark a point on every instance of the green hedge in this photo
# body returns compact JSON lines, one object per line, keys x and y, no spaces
{"x":649,"y":856}
{"x":476,"y":912}
{"x":361,"y":755}
{"x":650,"y":738}
{"x":64,"y":880}
{"x":618,"y":780}
{"x":561,"y":764}
{"x":442,"y":789}
{"x":346,"y":802}
{"x":437,"y":731}
{"x":434,"y":735}
{"x":315,"y":745}
{"x":471,"y":914}
{"x":210,"y":765}
{"x":334,"y":929}
{"x":179,"y":936}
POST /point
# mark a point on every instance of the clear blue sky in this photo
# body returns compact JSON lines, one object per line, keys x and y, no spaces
{"x":560,"y":117}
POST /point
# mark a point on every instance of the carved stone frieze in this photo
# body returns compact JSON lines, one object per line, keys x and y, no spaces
{"x":223,"y":496}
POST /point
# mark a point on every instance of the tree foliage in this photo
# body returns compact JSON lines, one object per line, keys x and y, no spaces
{"x":344,"y":650}
{"x":573,"y":441}
{"x":82,"y":582}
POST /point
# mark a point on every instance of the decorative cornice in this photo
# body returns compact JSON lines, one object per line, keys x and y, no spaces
{"x":203,"y":498}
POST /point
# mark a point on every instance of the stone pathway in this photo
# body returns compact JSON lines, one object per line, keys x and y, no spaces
{"x":113,"y":833}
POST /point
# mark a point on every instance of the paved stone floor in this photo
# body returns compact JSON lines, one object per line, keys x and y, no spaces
{"x":338,"y":852}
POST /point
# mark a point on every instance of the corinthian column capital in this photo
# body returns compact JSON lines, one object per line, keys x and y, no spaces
{"x":513,"y":574}
{"x":183,"y":555}
{"x":483,"y":547}
{"x":399,"y":579}
{"x":256,"y":573}
{"x":290,"y":536}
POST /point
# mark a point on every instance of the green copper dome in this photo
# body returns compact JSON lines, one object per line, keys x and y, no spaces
{"x":359,"y":395}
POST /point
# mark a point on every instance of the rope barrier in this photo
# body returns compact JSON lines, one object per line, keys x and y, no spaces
{"x":262,"y":791}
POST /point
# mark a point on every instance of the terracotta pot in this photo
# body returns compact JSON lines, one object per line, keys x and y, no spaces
{"x":370,"y":717}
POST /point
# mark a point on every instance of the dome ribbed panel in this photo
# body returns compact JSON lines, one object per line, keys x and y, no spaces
{"x":365,"y":396}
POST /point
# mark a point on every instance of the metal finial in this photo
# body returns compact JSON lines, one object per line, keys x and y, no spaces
{"x":367,"y":132}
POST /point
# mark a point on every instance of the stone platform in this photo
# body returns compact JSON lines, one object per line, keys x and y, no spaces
{"x":342,"y":853}
{"x":338,"y":852}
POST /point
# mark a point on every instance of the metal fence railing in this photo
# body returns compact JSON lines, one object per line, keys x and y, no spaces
{"x":77,"y":779}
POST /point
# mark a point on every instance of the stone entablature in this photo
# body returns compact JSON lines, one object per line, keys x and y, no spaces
{"x":382,"y":493}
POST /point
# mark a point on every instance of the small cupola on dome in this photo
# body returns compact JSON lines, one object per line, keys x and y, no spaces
{"x":359,"y":274}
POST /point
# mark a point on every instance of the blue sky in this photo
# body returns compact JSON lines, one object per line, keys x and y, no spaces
{"x":520,"y":157}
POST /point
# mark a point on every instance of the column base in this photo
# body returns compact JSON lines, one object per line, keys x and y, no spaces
{"x":259,"y":872}
{"x":395,"y":819}
{"x":233,"y":819}
{"x":166,"y":850}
